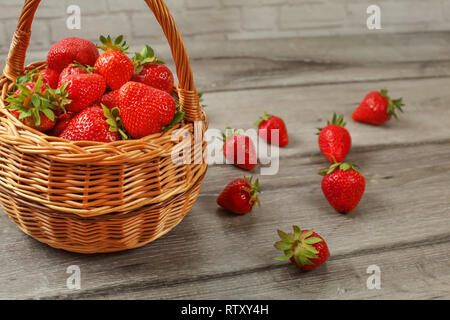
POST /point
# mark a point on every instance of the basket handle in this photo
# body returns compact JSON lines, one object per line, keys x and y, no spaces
{"x":189,"y":99}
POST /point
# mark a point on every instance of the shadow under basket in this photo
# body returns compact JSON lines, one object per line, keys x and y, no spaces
{"x":92,"y":197}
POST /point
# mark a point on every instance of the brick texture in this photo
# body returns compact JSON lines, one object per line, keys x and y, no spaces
{"x":202,"y":20}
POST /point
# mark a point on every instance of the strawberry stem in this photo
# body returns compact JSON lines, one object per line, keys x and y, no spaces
{"x":393,"y":104}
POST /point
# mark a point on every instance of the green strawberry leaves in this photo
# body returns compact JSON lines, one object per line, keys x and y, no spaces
{"x":109,"y":43}
{"x":177,"y":118}
{"x":338,"y":165}
{"x":299,"y":245}
{"x":147,"y":55}
{"x":114,"y":121}
{"x":393,"y":104}
{"x":266,"y":116}
{"x":336,"y":120}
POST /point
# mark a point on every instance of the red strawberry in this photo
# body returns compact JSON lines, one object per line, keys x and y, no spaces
{"x":304,"y":248}
{"x":269,"y":122}
{"x":152,"y":71}
{"x":111,"y":99}
{"x":334,"y":140}
{"x":69,"y":50}
{"x":377,"y":108}
{"x":343,"y":186}
{"x":145,"y":110}
{"x":91,"y":125}
{"x":239,"y":196}
{"x":61,"y":123}
{"x":74,"y":68}
{"x":35,"y":105}
{"x":113,"y":64}
{"x":49,"y":77}
{"x":84,"y":90}
{"x":239,"y":150}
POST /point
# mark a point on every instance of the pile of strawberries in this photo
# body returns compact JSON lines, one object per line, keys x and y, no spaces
{"x":342,"y":185}
{"x":83,"y":95}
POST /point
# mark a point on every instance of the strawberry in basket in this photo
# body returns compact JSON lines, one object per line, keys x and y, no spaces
{"x":74,"y":68}
{"x":84,"y":90}
{"x":94,"y":124}
{"x":36,"y":104}
{"x":113,"y":64}
{"x":69,"y":50}
{"x":146,"y":110}
{"x":152,"y":71}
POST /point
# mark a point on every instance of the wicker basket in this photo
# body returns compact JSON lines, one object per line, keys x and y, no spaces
{"x":93,"y":197}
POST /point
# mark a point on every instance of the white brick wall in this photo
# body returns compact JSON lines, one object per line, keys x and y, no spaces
{"x":201,"y":20}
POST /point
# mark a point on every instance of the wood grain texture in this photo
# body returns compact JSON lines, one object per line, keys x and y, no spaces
{"x":402,"y":223}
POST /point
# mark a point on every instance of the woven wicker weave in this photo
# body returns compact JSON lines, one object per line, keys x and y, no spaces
{"x":93,"y":197}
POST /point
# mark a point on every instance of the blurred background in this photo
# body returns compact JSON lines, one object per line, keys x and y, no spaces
{"x":203,"y":21}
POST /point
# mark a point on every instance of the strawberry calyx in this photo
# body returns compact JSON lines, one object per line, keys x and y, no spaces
{"x":393,"y":104}
{"x":58,"y":96}
{"x":253,"y":191}
{"x":114,"y":121}
{"x":229,"y":132}
{"x":116,"y":44}
{"x":336,"y":120}
{"x":31,"y":102}
{"x":338,"y":165}
{"x":147,"y":55}
{"x":298,"y":245}
{"x":266,"y":116}
{"x":85,"y":67}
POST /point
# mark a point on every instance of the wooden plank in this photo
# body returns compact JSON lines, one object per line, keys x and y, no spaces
{"x":426,"y":117}
{"x":212,"y":244}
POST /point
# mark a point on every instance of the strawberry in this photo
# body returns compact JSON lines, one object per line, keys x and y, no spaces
{"x":239,"y":196}
{"x":84,"y":90}
{"x":145,"y":110}
{"x":49,"y":77}
{"x":69,"y":50}
{"x":343,"y":186}
{"x":111,"y":99}
{"x":152,"y":71}
{"x":239,"y":150}
{"x":334,"y":140}
{"x":269,"y":122}
{"x":113,"y":64}
{"x":377,"y":108}
{"x":304,"y":248}
{"x":35,"y":105}
{"x":92,"y":124}
{"x":74,"y":68}
{"x":61,"y":123}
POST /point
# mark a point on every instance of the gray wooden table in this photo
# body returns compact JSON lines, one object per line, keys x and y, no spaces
{"x":402,"y":224}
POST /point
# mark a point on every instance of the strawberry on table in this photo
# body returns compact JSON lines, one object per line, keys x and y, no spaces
{"x":239,"y":150}
{"x":304,"y":248}
{"x":343,"y":186}
{"x":69,"y":50}
{"x":145,"y":110}
{"x":377,"y":108}
{"x":83,"y":90}
{"x":152,"y":71}
{"x":92,"y":124}
{"x":239,"y":196}
{"x":114,"y":65}
{"x":334,"y":140}
{"x":269,"y":122}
